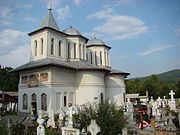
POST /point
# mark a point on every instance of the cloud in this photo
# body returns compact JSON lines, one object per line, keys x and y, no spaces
{"x":11,"y":39}
{"x":118,"y":27}
{"x":63,"y":12}
{"x":77,"y":2}
{"x":6,"y":12}
{"x":155,"y":49}
{"x":101,"y":14}
{"x":92,"y":34}
{"x":16,"y":57}
{"x":32,"y":19}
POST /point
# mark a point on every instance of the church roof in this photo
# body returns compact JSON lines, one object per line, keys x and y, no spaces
{"x":49,"y":21}
{"x":71,"y":31}
{"x":72,"y":65}
{"x":96,"y":42}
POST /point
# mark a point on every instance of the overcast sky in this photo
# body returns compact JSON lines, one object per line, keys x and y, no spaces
{"x":144,"y":34}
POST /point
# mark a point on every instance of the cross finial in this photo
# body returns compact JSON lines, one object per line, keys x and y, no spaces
{"x":50,"y":6}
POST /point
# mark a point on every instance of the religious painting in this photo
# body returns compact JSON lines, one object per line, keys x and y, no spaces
{"x":44,"y":77}
{"x":33,"y":80}
{"x":24,"y":79}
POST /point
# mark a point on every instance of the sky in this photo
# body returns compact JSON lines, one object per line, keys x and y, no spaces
{"x":144,"y":34}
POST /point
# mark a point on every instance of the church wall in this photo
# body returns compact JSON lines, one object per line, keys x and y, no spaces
{"x":115,"y":88}
{"x":56,"y":36}
{"x":89,"y":86}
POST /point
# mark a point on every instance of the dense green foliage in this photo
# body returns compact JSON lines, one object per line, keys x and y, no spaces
{"x":154,"y":85}
{"x":110,"y":119}
{"x":8,"y":81}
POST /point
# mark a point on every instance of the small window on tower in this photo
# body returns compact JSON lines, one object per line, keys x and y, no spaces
{"x":52,"y":46}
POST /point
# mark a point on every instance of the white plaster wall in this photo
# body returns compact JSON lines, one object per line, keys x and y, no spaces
{"x":98,"y":49}
{"x":89,"y":84}
{"x":115,"y":88}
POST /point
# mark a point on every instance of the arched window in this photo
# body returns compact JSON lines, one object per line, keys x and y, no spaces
{"x":25,"y":102}
{"x":44,"y":102}
{"x":52,"y":46}
{"x":91,"y":55}
{"x":100,"y":58}
{"x":58,"y":101}
{"x":59,"y":47}
{"x":87,"y":56}
{"x":108,"y":59}
{"x":95,"y":58}
{"x":41,"y":46}
{"x":65,"y":99}
{"x":68,"y":50}
{"x":33,"y":97}
{"x":71,"y":98}
{"x":35,"y":47}
{"x":80,"y":51}
{"x":83,"y":52}
{"x":74,"y":50}
{"x":105,"y":58}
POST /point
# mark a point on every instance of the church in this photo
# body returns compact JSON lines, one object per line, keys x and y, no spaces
{"x":67,"y":67}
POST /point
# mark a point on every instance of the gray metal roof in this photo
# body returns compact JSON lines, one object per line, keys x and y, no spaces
{"x":49,"y":21}
{"x":96,"y":42}
{"x":71,"y":31}
{"x":73,"y":65}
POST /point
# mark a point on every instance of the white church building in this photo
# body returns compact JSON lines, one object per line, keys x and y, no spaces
{"x":66,"y":67}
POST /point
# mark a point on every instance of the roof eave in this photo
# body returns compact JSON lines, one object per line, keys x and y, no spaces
{"x":38,"y":30}
{"x":99,"y":45}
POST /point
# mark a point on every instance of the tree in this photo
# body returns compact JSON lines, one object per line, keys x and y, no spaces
{"x":108,"y":117}
{"x":8,"y":80}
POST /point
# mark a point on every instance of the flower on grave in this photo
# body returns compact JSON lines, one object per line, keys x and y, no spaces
{"x":49,"y":127}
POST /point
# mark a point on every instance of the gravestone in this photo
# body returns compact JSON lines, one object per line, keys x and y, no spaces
{"x":51,"y":122}
{"x":61,"y":117}
{"x":130,"y":110}
{"x":93,"y":127}
{"x":170,"y":126}
{"x":40,"y":128}
{"x":172,"y":102}
{"x":68,"y":129}
{"x":159,"y":101}
{"x":154,"y":108}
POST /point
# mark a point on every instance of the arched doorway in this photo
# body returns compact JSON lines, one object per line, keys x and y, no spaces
{"x":34,"y":103}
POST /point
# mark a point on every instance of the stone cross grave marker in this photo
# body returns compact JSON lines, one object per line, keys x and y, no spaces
{"x":93,"y":127}
{"x":170,"y":125}
{"x":40,"y":128}
{"x":172,"y":95}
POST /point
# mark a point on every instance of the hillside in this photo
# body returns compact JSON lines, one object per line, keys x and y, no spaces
{"x":168,"y":77}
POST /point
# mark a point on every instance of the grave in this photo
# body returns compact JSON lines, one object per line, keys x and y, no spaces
{"x":40,"y":128}
{"x":172,"y":102}
{"x":93,"y":127}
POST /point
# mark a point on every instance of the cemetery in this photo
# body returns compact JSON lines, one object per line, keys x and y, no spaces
{"x":152,"y":116}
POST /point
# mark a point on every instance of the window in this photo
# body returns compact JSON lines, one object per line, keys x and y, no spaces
{"x":91,"y":55}
{"x":87,"y":56}
{"x":68,"y":50}
{"x":71,"y":97}
{"x":105,"y":58}
{"x":44,"y":102}
{"x":83,"y":52}
{"x":100,"y":58}
{"x":52,"y":46}
{"x":108,"y":59}
{"x":35,"y":47}
{"x":41,"y":46}
{"x":33,"y":98}
{"x":25,"y":102}
{"x":79,"y":50}
{"x":65,"y":99}
{"x":95,"y":58}
{"x":102,"y":97}
{"x":59,"y":47}
{"x":58,"y":101}
{"x":75,"y":50}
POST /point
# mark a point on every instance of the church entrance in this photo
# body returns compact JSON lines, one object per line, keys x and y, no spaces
{"x":34,"y":104}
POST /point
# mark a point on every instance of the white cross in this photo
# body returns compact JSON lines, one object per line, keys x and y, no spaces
{"x":128,"y":100}
{"x":172,"y":94}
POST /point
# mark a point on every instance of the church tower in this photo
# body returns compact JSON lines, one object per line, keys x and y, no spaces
{"x":48,"y":41}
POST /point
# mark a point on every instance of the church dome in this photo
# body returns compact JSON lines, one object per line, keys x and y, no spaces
{"x":72,"y":31}
{"x":96,"y":42}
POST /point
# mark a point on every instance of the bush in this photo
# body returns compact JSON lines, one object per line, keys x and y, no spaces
{"x":3,"y":128}
{"x":108,"y":117}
